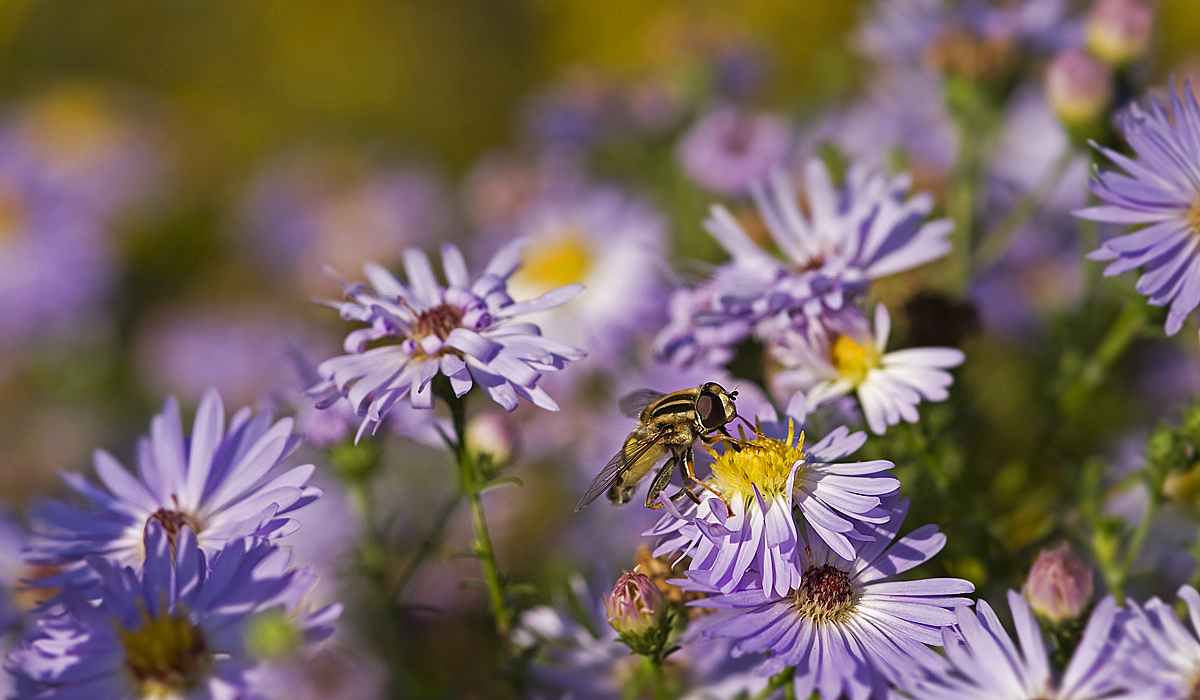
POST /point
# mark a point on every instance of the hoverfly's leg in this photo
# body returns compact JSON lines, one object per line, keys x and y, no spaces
{"x":661,"y":480}
{"x":753,"y":428}
{"x":689,"y":471}
{"x":685,"y":491}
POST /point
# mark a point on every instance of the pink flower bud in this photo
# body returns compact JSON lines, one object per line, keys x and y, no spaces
{"x":1118,"y":31}
{"x":1059,"y":586}
{"x":491,"y":434}
{"x":635,"y":605}
{"x":1078,"y":87}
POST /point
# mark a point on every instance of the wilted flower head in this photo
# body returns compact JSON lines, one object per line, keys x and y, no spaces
{"x":730,"y":148}
{"x":1160,"y":191}
{"x":1059,"y":586}
{"x":220,"y":483}
{"x":465,"y":331}
{"x":175,"y":629}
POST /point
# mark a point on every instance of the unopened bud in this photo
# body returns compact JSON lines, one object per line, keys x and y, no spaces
{"x":1118,"y":31}
{"x":1059,"y":586}
{"x":491,"y":434}
{"x":635,"y":606}
{"x":1078,"y":87}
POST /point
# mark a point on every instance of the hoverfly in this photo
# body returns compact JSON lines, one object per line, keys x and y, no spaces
{"x":666,"y":423}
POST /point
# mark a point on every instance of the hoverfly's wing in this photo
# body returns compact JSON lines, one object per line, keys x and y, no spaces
{"x":619,"y":464}
{"x":632,"y":404}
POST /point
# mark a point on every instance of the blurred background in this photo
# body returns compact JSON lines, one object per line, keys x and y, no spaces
{"x":174,"y":176}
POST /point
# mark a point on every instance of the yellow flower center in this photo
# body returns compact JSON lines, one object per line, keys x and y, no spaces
{"x":166,"y":654}
{"x":565,"y":259}
{"x":765,"y":464}
{"x":1193,"y":217}
{"x":852,"y":360}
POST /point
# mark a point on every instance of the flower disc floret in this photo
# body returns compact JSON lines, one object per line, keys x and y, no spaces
{"x":465,"y":330}
{"x":826,"y":595}
{"x":765,"y":466}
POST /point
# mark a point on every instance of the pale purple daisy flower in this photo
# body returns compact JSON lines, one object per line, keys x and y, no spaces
{"x":854,"y":233}
{"x":178,"y":628}
{"x":730,"y":148}
{"x":583,"y":660}
{"x":1161,"y":189}
{"x":1160,"y":650}
{"x":846,"y":628}
{"x":222,"y":483}
{"x":466,"y":331}
{"x":838,"y":353}
{"x":612,"y":243}
{"x":762,"y":483}
{"x":986,"y":665}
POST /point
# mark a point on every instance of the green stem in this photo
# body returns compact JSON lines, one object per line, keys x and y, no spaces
{"x":960,"y":204}
{"x":430,"y":544}
{"x":777,"y":681}
{"x":1122,"y":332}
{"x":997,"y":241}
{"x":920,"y":444}
{"x":482,"y":547}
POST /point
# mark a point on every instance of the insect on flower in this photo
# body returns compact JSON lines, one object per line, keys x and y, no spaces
{"x":667,"y":423}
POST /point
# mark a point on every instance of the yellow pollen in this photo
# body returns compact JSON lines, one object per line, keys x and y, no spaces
{"x":165,"y":654}
{"x":1193,"y":217}
{"x":766,"y":464}
{"x":566,"y":259}
{"x":852,"y":360}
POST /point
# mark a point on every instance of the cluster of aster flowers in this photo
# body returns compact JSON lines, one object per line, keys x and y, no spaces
{"x":169,"y":582}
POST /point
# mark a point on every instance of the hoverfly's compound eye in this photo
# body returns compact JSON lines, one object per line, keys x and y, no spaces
{"x":712,"y":415}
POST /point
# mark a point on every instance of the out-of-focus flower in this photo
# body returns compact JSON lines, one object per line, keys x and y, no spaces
{"x":1161,"y":189}
{"x":986,"y":665}
{"x":614,"y":245}
{"x":1059,"y":586}
{"x":67,"y":168}
{"x":851,"y":234}
{"x":1078,"y":87}
{"x":177,"y":628}
{"x":730,"y":148}
{"x":973,"y":39}
{"x":503,"y":186}
{"x":220,"y":483}
{"x":847,"y":628}
{"x":577,"y":112}
{"x":243,"y":353}
{"x":573,"y":660}
{"x":763,"y":482}
{"x":465,"y":331}
{"x":313,"y":210}
{"x":1118,"y":31}
{"x":322,"y":674}
{"x":1159,"y":650}
{"x":838,"y":353}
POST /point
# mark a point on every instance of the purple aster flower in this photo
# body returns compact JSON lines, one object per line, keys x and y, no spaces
{"x":762,"y":484}
{"x":584,"y":660}
{"x":1160,"y":650}
{"x":221,"y":483}
{"x":986,"y":665}
{"x":1161,"y":191}
{"x":864,"y":229}
{"x":838,"y":353}
{"x":466,"y":331}
{"x":847,"y":628}
{"x":177,"y":628}
{"x":612,"y":243}
{"x":729,"y":148}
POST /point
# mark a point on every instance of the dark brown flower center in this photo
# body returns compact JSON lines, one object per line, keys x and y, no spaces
{"x":826,"y":594}
{"x":173,"y":521}
{"x":439,"y":321}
